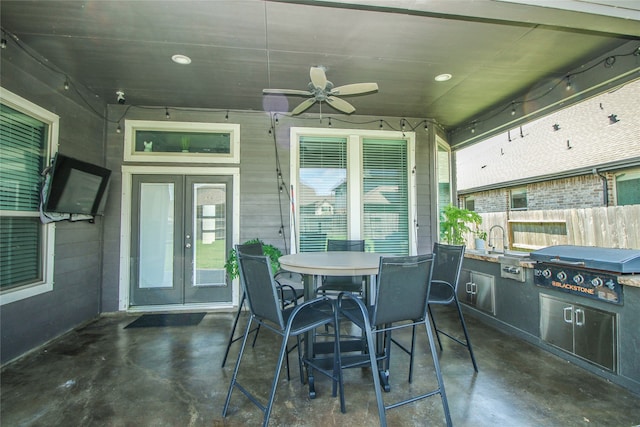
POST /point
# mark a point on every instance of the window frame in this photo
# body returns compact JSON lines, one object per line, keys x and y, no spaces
{"x":636,"y":176}
{"x":441,"y":145}
{"x":355,"y":204}
{"x":518,"y":190}
{"x":47,"y":244}
{"x":131,"y":126}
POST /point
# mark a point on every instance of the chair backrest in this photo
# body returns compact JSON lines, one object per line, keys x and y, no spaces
{"x":448,"y":263}
{"x":250,"y":248}
{"x":349,"y":246}
{"x":345,"y":245}
{"x":403,"y":286}
{"x":260,"y":288}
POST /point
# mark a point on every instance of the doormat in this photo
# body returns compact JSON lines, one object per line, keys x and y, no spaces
{"x":173,"y":319}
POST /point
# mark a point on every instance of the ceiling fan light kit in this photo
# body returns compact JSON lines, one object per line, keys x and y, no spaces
{"x":322,"y":90}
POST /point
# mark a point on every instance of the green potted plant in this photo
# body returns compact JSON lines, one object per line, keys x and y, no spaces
{"x":455,"y":222}
{"x":232,"y":260}
{"x":480,"y":238}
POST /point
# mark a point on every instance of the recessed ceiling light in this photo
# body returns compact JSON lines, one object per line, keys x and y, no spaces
{"x":181,"y":59}
{"x":443,"y":77}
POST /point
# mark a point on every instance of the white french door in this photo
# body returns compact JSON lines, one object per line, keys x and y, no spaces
{"x":181,"y":228}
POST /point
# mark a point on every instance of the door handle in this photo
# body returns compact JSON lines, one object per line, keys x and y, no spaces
{"x":569,"y":311}
{"x":579,"y":321}
{"x":474,"y":288}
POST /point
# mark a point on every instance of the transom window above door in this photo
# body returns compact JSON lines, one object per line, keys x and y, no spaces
{"x":181,"y":142}
{"x":353,"y":185}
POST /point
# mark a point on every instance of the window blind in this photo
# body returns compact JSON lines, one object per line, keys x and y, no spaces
{"x":386,"y":195}
{"x":22,"y":148}
{"x":322,"y":193}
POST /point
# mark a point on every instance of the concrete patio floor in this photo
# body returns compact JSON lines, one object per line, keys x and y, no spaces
{"x":105,"y":375}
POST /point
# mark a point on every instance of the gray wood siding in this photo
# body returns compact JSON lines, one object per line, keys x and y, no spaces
{"x":75,"y":299}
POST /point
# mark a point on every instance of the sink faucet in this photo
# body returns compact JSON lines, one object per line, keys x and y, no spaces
{"x":504,"y":238}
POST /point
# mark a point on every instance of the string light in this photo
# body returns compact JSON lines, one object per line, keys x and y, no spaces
{"x":513,"y":108}
{"x":568,"y":83}
{"x":380,"y":124}
{"x":66,"y":84}
{"x":167,"y":115}
{"x":226,"y":116}
{"x":118,"y":129}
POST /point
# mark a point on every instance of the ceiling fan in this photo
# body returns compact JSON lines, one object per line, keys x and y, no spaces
{"x":322,"y":90}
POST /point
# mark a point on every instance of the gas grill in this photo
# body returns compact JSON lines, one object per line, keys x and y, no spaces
{"x":587,"y":271}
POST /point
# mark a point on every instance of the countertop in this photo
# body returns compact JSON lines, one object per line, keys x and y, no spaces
{"x":523,"y":261}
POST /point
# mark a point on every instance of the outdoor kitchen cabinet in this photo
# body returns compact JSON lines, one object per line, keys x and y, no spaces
{"x":584,"y":331}
{"x":477,"y":290}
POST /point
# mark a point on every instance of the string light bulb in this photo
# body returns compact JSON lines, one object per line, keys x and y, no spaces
{"x":330,"y":122}
{"x":118,"y":129}
{"x":568,"y":83}
{"x":226,"y":116}
{"x":513,"y":108}
{"x":380,"y":124}
{"x":167,"y":115}
{"x":66,"y":84}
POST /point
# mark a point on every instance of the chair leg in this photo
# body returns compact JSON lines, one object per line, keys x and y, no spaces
{"x":376,"y":377}
{"x":435,"y":327}
{"x":233,"y":330}
{"x":436,"y":363}
{"x":274,"y":385}
{"x":466,"y":335}
{"x":413,"y":344}
{"x":237,"y":367}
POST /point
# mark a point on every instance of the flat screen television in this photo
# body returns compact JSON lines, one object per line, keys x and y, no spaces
{"x":76,"y":187}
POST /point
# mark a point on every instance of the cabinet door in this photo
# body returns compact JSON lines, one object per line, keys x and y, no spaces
{"x":595,"y":336}
{"x":484,"y":291}
{"x":556,"y":322}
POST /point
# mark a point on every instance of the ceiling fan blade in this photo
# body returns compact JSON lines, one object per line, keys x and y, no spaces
{"x":354,"y":89}
{"x":286,"y":92}
{"x":318,"y":77}
{"x":303,"y":106}
{"x":340,"y":105}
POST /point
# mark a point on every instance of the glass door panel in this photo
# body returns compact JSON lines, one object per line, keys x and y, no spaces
{"x":209,"y":198}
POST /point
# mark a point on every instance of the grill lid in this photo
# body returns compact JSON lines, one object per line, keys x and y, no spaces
{"x":593,"y":257}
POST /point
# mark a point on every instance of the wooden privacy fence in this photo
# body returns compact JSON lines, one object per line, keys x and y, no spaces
{"x":611,"y":227}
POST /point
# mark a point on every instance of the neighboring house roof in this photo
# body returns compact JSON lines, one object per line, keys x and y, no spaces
{"x":586,"y":139}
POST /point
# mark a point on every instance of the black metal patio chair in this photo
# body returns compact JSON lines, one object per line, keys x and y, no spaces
{"x":289,"y":295}
{"x":266,"y":310}
{"x":444,"y":290}
{"x":401,"y":302}
{"x":342,"y":283}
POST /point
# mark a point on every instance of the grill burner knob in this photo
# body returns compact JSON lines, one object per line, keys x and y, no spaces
{"x":597,"y":282}
{"x":562,"y":276}
{"x":578,"y":279}
{"x":546,"y":273}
